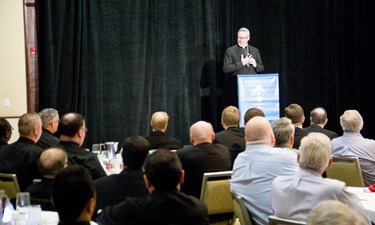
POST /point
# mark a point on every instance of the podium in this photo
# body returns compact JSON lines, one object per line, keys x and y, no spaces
{"x":259,"y":91}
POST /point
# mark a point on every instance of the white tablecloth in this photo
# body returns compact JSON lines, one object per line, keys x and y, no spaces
{"x":367,"y":199}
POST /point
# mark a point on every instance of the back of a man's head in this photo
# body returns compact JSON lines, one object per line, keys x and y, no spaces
{"x":315,"y":151}
{"x":70,"y":124}
{"x":333,"y":212}
{"x":283,"y":130}
{"x":163,"y":169}
{"x":5,"y":130}
{"x":47,"y":116}
{"x":27,"y":122}
{"x":134,"y":151}
{"x":231,"y":116}
{"x":259,"y":131}
{"x":295,"y":113}
{"x":351,"y":121}
{"x":52,"y":161}
{"x":253,"y":112}
{"x":318,"y":116}
{"x":159,"y":120}
{"x":201,"y":132}
{"x":72,"y":189}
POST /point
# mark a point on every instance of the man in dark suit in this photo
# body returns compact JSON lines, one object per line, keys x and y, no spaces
{"x":73,"y":130}
{"x":230,"y":119}
{"x":318,"y":119}
{"x":295,"y":113}
{"x":21,"y":156}
{"x":113,"y":189}
{"x":50,"y":120}
{"x":51,"y":161}
{"x":203,"y":156}
{"x":165,"y":204}
{"x":240,"y":58}
{"x":158,"y":138}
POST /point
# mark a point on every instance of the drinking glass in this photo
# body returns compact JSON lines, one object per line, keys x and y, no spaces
{"x":105,"y":157}
{"x":22,"y":202}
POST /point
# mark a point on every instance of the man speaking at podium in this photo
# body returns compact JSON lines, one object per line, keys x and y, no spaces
{"x":239,"y":59}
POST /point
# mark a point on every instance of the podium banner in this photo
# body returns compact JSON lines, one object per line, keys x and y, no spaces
{"x":259,"y":91}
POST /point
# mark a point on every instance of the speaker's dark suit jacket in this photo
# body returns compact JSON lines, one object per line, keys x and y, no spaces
{"x":299,"y":133}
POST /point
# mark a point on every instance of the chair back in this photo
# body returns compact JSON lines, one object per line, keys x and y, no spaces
{"x":9,"y":183}
{"x":215,"y":193}
{"x":346,"y":169}
{"x":240,"y":210}
{"x":274,"y":220}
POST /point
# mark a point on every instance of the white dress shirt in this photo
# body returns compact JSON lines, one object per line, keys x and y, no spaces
{"x":294,"y":196}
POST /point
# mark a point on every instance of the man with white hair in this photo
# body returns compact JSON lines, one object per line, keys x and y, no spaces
{"x":202,"y":156}
{"x":158,"y":138}
{"x":352,"y":143}
{"x":50,"y":120}
{"x":293,"y":196}
{"x":256,"y":167}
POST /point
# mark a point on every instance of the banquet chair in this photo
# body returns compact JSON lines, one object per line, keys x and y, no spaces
{"x":346,"y":169}
{"x":9,"y":183}
{"x":240,"y":210}
{"x":215,"y":193}
{"x":274,"y":220}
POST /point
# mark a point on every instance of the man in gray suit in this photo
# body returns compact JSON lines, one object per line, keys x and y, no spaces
{"x":293,"y":196}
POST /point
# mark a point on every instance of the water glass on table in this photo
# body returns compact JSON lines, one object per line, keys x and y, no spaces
{"x":22,"y":202}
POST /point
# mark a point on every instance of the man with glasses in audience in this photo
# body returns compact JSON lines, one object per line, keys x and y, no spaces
{"x":50,"y":120}
{"x":72,"y":131}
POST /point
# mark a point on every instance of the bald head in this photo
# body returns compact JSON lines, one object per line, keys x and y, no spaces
{"x":259,"y":131}
{"x":159,"y":121}
{"x":318,"y":116}
{"x":51,"y":161}
{"x":201,"y":132}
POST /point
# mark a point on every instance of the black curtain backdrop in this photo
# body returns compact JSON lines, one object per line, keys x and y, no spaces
{"x":118,"y":61}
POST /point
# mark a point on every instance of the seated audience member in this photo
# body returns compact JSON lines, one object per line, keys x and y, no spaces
{"x":73,"y":130}
{"x":256,"y":167}
{"x":239,"y":146}
{"x":113,"y":189}
{"x":21,"y":156}
{"x":50,"y":120}
{"x":352,"y":143}
{"x":293,"y":196}
{"x":165,"y":204}
{"x":203,"y":156}
{"x":318,"y":119}
{"x":51,"y":161}
{"x":295,"y":113}
{"x":158,"y":137}
{"x":283,"y":130}
{"x":73,"y":195}
{"x":333,"y":212}
{"x":230,"y":119}
{"x":5,"y":132}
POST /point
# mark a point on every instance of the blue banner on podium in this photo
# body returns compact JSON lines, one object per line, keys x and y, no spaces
{"x":259,"y":91}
